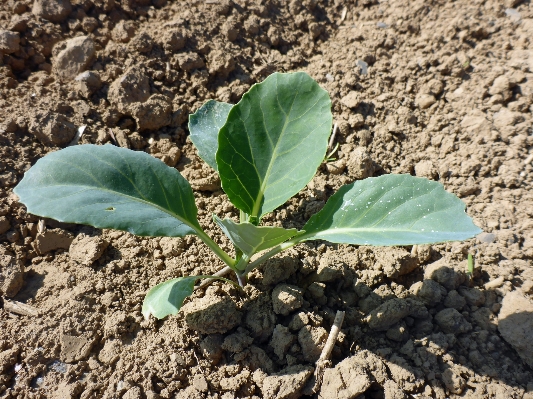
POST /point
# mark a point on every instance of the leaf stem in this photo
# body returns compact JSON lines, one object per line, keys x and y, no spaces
{"x":215,"y":277}
{"x":215,"y":248}
{"x":276,"y":250}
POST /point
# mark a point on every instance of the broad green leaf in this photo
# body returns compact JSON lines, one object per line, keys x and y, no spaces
{"x":110,"y":187}
{"x":273,"y":142}
{"x":204,"y":125}
{"x":167,"y":298}
{"x":251,"y":239}
{"x":391,"y":210}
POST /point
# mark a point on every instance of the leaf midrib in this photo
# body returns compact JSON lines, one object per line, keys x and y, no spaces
{"x":260,"y":194}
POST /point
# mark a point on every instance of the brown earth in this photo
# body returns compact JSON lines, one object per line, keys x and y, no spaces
{"x":442,"y":90}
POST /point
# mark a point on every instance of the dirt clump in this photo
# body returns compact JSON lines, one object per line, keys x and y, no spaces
{"x":442,"y":91}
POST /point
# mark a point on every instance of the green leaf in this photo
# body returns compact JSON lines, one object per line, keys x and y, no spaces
{"x":251,"y":239}
{"x":167,"y":298}
{"x":391,"y":210}
{"x":204,"y":126}
{"x":273,"y":142}
{"x":110,"y":187}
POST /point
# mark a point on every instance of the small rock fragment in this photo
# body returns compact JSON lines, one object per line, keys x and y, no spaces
{"x":279,"y":269}
{"x":351,"y":100}
{"x":11,"y":276}
{"x":346,"y":380}
{"x":286,"y":298}
{"x":312,"y":341}
{"x":287,"y":383}
{"x":211,"y":314}
{"x":453,"y":381}
{"x":454,"y":300}
{"x":515,"y":323}
{"x":426,"y":169}
{"x":282,"y":339}
{"x":473,"y":296}
{"x":237,"y":342}
{"x":51,"y":240}
{"x":428,"y":291}
{"x":52,"y":128}
{"x":74,"y":349}
{"x":188,"y":61}
{"x":123,"y":31}
{"x":74,"y":58}
{"x":85,"y":249}
{"x":452,"y":322}
{"x":52,"y":10}
{"x":425,"y":101}
{"x":389,"y":313}
{"x":445,"y":275}
{"x":211,"y":347}
{"x":359,"y":164}
{"x":9,"y":41}
{"x":87,"y":83}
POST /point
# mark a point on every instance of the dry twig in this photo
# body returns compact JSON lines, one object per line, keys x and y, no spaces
{"x":20,"y":308}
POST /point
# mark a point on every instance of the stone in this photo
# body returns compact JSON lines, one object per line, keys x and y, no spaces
{"x":312,"y":341}
{"x":392,"y":311}
{"x":188,"y":61}
{"x":211,"y":348}
{"x":237,"y":342}
{"x":74,"y":58}
{"x":286,"y":298}
{"x":123,"y":31}
{"x":87,"y":83}
{"x":473,"y":296}
{"x":426,"y":169}
{"x":502,"y":86}
{"x":11,"y":276}
{"x":52,"y":239}
{"x":281,"y":341}
{"x":425,"y":100}
{"x":445,"y":275}
{"x":428,"y":291}
{"x":359,"y":164}
{"x":9,"y":41}
{"x":515,"y":324}
{"x":52,"y":10}
{"x":351,"y":100}
{"x":130,"y":93}
{"x":153,"y":114}
{"x":51,"y":128}
{"x":452,"y":322}
{"x":346,"y":380}
{"x":132,"y":87}
{"x":287,"y":383}
{"x":74,"y":348}
{"x":454,"y":300}
{"x":212,"y":314}
{"x":85,"y":249}
{"x":453,"y":380}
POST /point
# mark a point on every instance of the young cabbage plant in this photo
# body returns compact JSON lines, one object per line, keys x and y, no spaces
{"x":266,"y":149}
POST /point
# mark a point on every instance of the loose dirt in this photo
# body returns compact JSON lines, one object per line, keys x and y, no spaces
{"x":442,"y":90}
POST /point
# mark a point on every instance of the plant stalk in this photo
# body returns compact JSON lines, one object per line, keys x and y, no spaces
{"x":215,"y":248}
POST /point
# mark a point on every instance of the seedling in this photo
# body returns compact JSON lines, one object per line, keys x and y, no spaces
{"x":266,"y":149}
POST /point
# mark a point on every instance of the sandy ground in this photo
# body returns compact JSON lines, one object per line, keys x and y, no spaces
{"x":442,"y":90}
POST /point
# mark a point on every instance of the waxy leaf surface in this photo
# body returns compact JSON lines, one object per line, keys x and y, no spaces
{"x":204,"y":126}
{"x":167,"y":298}
{"x":391,"y":210}
{"x":250,"y":239}
{"x":110,"y":187}
{"x":273,"y":142}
